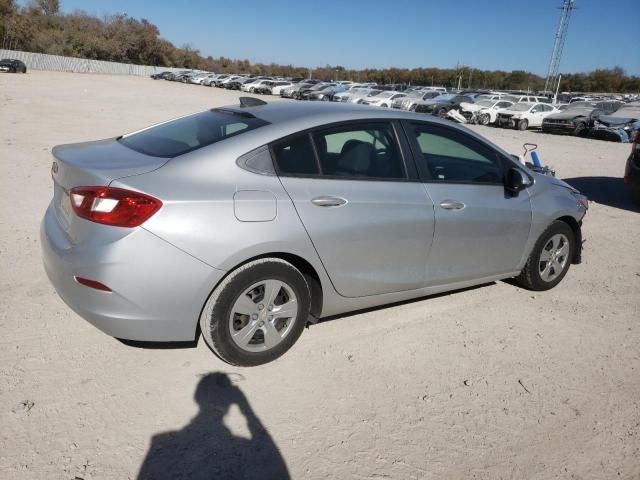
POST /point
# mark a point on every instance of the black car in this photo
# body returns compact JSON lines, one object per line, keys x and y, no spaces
{"x":578,"y":117}
{"x":160,"y":76}
{"x":441,"y":104}
{"x":632,"y":170}
{"x":12,"y":65}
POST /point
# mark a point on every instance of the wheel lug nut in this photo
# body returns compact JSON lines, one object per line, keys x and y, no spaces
{"x":260,"y":306}
{"x":261,"y":324}
{"x":255,"y":316}
{"x":270,"y":307}
{"x":270,"y":317}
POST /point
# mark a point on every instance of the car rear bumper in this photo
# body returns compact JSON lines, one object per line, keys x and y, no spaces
{"x":157,"y":290}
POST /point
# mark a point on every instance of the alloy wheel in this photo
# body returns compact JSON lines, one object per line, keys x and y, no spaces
{"x":554,"y":257}
{"x":263,"y":315}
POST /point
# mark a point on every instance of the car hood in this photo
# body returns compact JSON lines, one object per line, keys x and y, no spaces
{"x":570,"y":114}
{"x":472,"y":107}
{"x":613,"y":120}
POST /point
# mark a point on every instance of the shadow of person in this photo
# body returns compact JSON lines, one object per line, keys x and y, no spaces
{"x":207,"y":449}
{"x":609,"y":191}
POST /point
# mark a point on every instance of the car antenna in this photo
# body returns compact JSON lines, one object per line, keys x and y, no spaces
{"x":251,"y":102}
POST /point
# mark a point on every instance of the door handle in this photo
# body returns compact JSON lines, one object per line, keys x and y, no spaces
{"x":452,"y":205}
{"x":328,"y":201}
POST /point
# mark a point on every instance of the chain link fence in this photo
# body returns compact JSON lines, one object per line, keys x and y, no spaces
{"x":41,"y":61}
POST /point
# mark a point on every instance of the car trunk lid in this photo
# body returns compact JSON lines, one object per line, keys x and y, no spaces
{"x":95,"y":163}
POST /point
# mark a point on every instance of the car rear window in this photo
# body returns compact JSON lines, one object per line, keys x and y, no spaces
{"x":187,"y":134}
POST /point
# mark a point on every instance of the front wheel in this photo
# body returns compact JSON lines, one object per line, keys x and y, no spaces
{"x":257,"y":313}
{"x":580,"y":129}
{"x":523,"y":124}
{"x":550,"y":259}
{"x":484,"y":118}
{"x":442,"y":113}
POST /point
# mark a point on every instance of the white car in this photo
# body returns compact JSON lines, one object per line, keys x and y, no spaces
{"x":486,"y":110}
{"x":526,"y":99}
{"x":383,"y":99}
{"x":279,"y":86}
{"x":524,"y":115}
{"x":414,"y":97}
{"x":250,"y":86}
{"x":358,"y":95}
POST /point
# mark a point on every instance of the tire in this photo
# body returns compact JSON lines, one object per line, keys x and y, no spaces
{"x":536,"y":269}
{"x":442,"y":113}
{"x":325,"y":98}
{"x":580,"y":129}
{"x":484,"y":119}
{"x":251,"y":90}
{"x":384,"y":105}
{"x":246,"y":288}
{"x":522,"y":124}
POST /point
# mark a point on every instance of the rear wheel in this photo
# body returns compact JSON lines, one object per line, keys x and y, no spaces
{"x":550,"y":259}
{"x":442,"y":113}
{"x":257,"y":313}
{"x":523,"y":124}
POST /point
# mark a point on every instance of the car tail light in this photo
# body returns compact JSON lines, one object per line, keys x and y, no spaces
{"x":113,"y":206}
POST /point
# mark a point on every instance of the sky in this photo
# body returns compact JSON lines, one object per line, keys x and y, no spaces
{"x":485,"y":34}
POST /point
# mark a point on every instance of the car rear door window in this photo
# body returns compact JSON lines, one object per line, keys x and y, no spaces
{"x":360,"y":151}
{"x":449,"y":156}
{"x":186,"y":134}
{"x":294,"y":156}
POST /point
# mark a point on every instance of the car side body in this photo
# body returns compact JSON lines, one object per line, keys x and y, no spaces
{"x":392,"y":235}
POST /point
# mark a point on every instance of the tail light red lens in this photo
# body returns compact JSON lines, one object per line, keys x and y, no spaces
{"x":113,"y":206}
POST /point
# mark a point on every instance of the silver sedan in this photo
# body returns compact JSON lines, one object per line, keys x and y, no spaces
{"x":249,"y":221}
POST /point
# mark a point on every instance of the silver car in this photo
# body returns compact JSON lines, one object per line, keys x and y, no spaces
{"x":249,"y":221}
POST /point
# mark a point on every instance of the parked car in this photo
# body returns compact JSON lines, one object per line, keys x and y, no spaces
{"x":324,"y":94}
{"x":527,"y":99}
{"x":251,"y":86}
{"x":632,"y":169}
{"x":264,"y":87}
{"x":208,"y":81}
{"x":237,"y":83}
{"x":252,"y":220}
{"x":279,"y":86}
{"x":413,"y":98}
{"x":524,"y":115}
{"x":305,"y":91}
{"x":383,"y":99}
{"x":620,"y":126}
{"x":486,"y":111}
{"x":578,"y":117}
{"x":198,"y":78}
{"x":11,"y":65}
{"x":361,"y":94}
{"x":441,"y":104}
{"x":160,"y":76}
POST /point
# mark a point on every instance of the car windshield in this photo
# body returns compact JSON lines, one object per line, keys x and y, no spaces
{"x":520,"y":107}
{"x":385,"y":94}
{"x":580,"y":105}
{"x":444,"y":98}
{"x":186,"y":134}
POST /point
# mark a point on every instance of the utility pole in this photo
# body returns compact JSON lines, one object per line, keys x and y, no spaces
{"x":558,"y":44}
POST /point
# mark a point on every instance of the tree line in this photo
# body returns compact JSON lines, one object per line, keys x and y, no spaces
{"x":41,"y":27}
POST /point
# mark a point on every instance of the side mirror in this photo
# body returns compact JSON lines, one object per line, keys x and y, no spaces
{"x":516,"y":181}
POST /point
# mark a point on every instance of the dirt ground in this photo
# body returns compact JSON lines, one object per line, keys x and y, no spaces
{"x":489,"y":383}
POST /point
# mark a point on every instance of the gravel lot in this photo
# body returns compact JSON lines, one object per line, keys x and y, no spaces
{"x":489,"y":383}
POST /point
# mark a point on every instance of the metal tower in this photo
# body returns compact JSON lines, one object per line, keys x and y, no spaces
{"x":558,"y":45}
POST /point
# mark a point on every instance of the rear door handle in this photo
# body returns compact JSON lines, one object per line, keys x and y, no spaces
{"x":452,"y":205}
{"x":328,"y":201}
